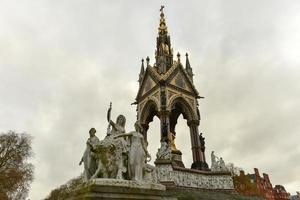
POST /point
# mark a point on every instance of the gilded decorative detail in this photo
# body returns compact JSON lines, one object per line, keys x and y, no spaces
{"x":173,"y":145}
{"x":141,"y":106}
{"x":170,"y":94}
{"x":162,"y":29}
{"x":180,"y":82}
{"x":144,"y":108}
{"x":169,"y":72}
{"x":154,"y":73}
{"x":187,"y":100}
{"x":191,"y":102}
{"x":156,"y":95}
{"x":167,"y":91}
{"x":149,"y":84}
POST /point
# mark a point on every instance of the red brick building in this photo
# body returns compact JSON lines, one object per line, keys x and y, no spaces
{"x":280,"y":193}
{"x":243,"y":184}
{"x":255,"y":185}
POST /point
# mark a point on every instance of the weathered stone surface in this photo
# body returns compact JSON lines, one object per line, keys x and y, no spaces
{"x":217,"y":164}
{"x":125,"y":189}
{"x":198,"y":194}
{"x":126,"y":183}
{"x":88,"y":158}
{"x":182,"y":177}
{"x":120,"y":189}
{"x":138,"y":154}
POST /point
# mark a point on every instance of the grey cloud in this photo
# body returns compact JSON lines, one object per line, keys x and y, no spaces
{"x":62,"y":63}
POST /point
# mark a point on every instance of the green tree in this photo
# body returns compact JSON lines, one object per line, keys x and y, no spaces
{"x":64,"y":190}
{"x":16,"y":173}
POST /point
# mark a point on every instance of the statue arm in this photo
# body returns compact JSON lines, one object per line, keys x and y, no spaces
{"x":81,"y":161}
{"x":112,"y":124}
{"x":89,"y":143}
{"x":123,"y":135}
{"x":144,"y":145}
{"x":145,"y":149}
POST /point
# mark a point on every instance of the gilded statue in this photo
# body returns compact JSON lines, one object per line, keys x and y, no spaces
{"x":164,"y":48}
{"x":173,"y":145}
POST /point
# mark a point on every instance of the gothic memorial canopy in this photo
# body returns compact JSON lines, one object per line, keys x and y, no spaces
{"x":166,"y":90}
{"x":117,"y":166}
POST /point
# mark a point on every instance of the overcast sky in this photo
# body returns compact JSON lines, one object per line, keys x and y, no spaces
{"x":62,"y":62}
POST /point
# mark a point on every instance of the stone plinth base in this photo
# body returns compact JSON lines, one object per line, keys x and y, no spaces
{"x":200,"y":166}
{"x":120,"y":189}
{"x":177,"y":158}
{"x":201,"y":194}
{"x":173,"y":176}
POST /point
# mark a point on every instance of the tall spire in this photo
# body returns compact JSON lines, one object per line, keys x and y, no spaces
{"x":162,"y":29}
{"x":188,"y":67}
{"x":142,"y":72}
{"x":164,"y":53}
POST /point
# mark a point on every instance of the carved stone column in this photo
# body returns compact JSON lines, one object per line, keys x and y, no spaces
{"x":198,"y":155}
{"x":164,"y":126}
{"x":145,"y":130}
{"x":164,"y":116}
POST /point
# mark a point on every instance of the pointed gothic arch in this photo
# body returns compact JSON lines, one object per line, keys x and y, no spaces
{"x":177,"y":102}
{"x":148,"y":111}
{"x":179,"y":106}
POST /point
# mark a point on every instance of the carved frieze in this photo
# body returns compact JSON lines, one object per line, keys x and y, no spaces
{"x":166,"y":173}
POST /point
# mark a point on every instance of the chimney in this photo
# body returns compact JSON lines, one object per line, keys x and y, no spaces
{"x":256,"y":172}
{"x":242,"y":173}
{"x":266,"y":177}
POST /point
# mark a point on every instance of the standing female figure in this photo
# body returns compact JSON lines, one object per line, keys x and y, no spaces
{"x":137,"y":153}
{"x":88,"y":158}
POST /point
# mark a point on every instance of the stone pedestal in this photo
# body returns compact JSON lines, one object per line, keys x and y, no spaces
{"x":177,"y":158}
{"x":200,"y":165}
{"x":120,"y":189}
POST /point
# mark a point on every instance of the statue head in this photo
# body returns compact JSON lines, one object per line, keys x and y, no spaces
{"x":138,"y":127}
{"x":92,"y":132}
{"x":121,"y":120}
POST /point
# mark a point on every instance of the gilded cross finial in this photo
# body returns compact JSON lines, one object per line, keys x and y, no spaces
{"x":161,"y":8}
{"x":162,"y":29}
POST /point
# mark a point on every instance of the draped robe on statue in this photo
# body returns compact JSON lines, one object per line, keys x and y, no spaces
{"x":89,"y":159}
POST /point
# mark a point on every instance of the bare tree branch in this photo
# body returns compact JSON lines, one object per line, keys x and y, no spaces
{"x":16,"y":173}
